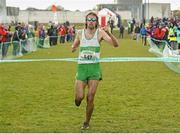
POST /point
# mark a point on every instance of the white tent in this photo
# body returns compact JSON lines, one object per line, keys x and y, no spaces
{"x":3,"y":15}
{"x":106,"y":15}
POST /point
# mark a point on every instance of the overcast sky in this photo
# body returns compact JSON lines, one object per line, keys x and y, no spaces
{"x":73,"y":5}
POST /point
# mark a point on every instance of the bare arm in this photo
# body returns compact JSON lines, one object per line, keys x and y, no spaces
{"x":109,"y":37}
{"x":76,"y":42}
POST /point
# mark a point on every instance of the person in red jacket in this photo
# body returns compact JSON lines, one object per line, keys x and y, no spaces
{"x":156,"y":35}
{"x":3,"y":34}
{"x":156,"y":32}
{"x":163,"y":32}
{"x":62,"y":33}
{"x":3,"y":38}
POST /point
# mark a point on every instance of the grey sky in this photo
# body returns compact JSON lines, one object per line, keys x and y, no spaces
{"x":75,"y":4}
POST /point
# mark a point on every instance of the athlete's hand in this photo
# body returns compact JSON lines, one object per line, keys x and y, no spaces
{"x":73,"y":49}
{"x":106,"y":29}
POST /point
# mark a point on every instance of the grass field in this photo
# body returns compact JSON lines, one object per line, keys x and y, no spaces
{"x":133,"y":96}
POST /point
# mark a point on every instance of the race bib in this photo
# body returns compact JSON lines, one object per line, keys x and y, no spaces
{"x":88,"y":55}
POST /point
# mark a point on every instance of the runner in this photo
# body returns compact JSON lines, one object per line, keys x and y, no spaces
{"x":89,"y":72}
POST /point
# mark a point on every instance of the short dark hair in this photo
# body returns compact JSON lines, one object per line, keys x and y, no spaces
{"x":94,"y":14}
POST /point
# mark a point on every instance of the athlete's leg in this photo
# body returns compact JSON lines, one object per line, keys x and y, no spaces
{"x":92,"y":87}
{"x":79,"y":91}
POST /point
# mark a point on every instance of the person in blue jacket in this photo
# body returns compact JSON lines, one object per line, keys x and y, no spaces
{"x":143,"y":32}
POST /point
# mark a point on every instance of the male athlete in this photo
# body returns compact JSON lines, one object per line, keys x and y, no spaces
{"x":88,"y":71}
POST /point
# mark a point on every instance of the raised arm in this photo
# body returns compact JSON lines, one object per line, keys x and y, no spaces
{"x":76,"y":42}
{"x":108,"y":36}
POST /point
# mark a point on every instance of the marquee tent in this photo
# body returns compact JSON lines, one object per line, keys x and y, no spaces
{"x":106,"y":15}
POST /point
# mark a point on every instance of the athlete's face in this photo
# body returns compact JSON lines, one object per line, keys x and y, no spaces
{"x":91,"y":21}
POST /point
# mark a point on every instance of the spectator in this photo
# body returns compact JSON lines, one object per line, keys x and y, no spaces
{"x":111,"y":23}
{"x":172,"y":37}
{"x":137,"y":32}
{"x":178,"y":36}
{"x":148,"y":31}
{"x":7,"y":43}
{"x":42,"y":36}
{"x":143,"y":35}
{"x":129,"y":27}
{"x":121,"y":31}
{"x":16,"y":42}
{"x":152,"y":19}
{"x":50,"y":34}
{"x":163,"y":32}
{"x":72,"y":33}
{"x":62,"y":33}
{"x":3,"y":39}
{"x":53,"y":35}
{"x":156,"y":32}
{"x":24,"y":41}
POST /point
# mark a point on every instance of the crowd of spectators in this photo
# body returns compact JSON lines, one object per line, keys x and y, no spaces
{"x":159,"y":29}
{"x":60,"y":33}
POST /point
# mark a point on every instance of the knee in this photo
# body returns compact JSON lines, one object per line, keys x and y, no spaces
{"x":78,"y":100}
{"x":90,"y":98}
